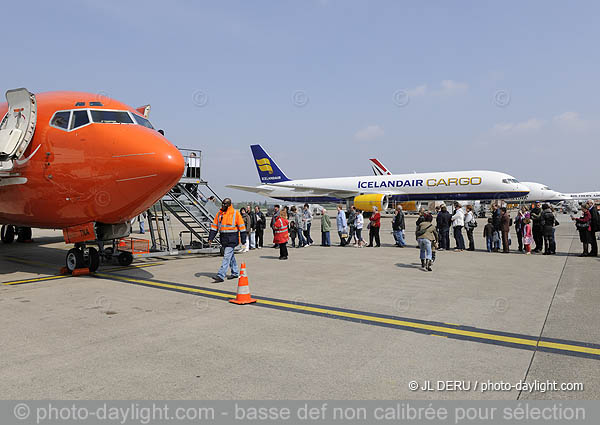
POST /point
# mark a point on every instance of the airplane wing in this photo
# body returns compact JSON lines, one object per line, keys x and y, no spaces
{"x":321,"y":191}
{"x":253,"y":189}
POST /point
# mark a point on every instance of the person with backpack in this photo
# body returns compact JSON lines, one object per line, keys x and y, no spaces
{"x":426,"y":238}
{"x":470,"y":225}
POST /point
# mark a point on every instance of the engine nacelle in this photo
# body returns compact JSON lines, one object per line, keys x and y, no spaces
{"x":367,"y":202}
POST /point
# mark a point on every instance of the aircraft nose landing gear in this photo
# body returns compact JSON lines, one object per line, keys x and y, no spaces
{"x":81,"y":257}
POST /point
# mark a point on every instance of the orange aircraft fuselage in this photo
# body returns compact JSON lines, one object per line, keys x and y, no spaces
{"x":101,"y":172}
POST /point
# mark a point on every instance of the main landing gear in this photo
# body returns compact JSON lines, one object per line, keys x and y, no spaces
{"x":82,"y":257}
{"x":9,"y":232}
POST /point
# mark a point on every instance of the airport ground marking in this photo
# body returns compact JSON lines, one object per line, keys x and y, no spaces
{"x":519,"y":341}
{"x":66,"y":276}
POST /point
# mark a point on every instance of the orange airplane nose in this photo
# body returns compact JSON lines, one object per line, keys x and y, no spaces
{"x":169,"y":164}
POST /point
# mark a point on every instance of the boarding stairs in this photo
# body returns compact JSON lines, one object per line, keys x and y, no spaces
{"x":179,"y":223}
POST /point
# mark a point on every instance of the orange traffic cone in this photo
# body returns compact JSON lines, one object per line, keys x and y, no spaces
{"x":243,"y":291}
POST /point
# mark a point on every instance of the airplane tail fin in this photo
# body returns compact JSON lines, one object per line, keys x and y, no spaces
{"x":268,"y":171}
{"x":378,"y":168}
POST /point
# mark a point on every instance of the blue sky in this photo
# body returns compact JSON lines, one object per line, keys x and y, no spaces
{"x":323,"y":84}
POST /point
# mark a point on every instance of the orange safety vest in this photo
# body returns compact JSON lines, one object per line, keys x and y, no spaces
{"x":280,"y":229}
{"x":229,"y":221}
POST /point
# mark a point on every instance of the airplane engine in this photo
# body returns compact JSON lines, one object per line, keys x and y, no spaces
{"x":367,"y":202}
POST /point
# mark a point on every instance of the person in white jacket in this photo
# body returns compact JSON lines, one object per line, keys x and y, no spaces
{"x":358,"y":223}
{"x":458,"y":222}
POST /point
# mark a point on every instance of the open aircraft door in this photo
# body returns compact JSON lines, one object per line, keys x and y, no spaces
{"x":17,"y":127}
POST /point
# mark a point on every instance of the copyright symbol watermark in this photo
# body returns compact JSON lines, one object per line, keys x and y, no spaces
{"x":21,"y":411}
{"x":102,"y":198}
{"x":103,"y":97}
{"x":502,"y":98}
{"x":200,"y":98}
{"x":300,"y":98}
{"x":103,"y":302}
{"x":501,"y":305}
{"x":201,"y":304}
{"x":401,"y":98}
{"x":413,"y":385}
{"x":402,"y":305}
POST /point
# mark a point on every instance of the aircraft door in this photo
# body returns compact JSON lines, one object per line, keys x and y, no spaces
{"x":17,"y":126}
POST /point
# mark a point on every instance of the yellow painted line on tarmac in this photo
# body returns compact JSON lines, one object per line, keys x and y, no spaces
{"x":62,"y":276}
{"x":482,"y":336}
{"x":36,"y":279}
{"x":165,"y":285}
{"x":567,"y":347}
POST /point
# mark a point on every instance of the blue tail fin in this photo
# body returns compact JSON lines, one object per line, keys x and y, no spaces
{"x":268,"y":171}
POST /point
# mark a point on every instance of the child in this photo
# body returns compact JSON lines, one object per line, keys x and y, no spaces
{"x":488,"y":234}
{"x":527,"y":236}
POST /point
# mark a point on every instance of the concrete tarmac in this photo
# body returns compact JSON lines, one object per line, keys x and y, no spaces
{"x":135,"y":334}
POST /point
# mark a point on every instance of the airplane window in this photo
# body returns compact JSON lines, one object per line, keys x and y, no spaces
{"x":80,"y":104}
{"x":142,"y":121}
{"x":61,"y":119}
{"x":505,"y":181}
{"x":80,"y":118}
{"x":111,"y":117}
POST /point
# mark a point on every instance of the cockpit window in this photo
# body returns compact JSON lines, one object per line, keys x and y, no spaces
{"x":509,"y":181}
{"x":111,"y":117}
{"x":142,"y":121}
{"x":61,"y":120}
{"x":80,"y":118}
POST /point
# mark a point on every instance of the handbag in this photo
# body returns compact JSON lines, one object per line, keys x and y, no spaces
{"x":581,"y":225}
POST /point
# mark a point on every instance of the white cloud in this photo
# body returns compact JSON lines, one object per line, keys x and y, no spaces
{"x":447,"y":88}
{"x":417,"y":91}
{"x":571,"y":121}
{"x":369,"y":133}
{"x":451,"y":87}
{"x":531,"y":125}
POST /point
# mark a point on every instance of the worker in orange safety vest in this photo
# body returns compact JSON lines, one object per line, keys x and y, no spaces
{"x":230,"y":225}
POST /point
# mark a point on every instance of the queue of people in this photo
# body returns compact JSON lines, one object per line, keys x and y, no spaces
{"x":535,"y":230}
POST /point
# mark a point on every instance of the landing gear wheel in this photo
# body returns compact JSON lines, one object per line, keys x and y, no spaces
{"x":125,"y":258}
{"x":75,"y":260}
{"x":92,"y":259}
{"x":23,"y":234}
{"x":8,"y":233}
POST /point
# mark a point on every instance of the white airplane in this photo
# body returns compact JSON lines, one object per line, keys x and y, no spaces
{"x":541,"y":192}
{"x":537,"y":191}
{"x":368,"y":191}
{"x":582,"y":196}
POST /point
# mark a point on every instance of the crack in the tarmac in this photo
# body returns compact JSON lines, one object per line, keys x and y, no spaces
{"x":546,"y":318}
